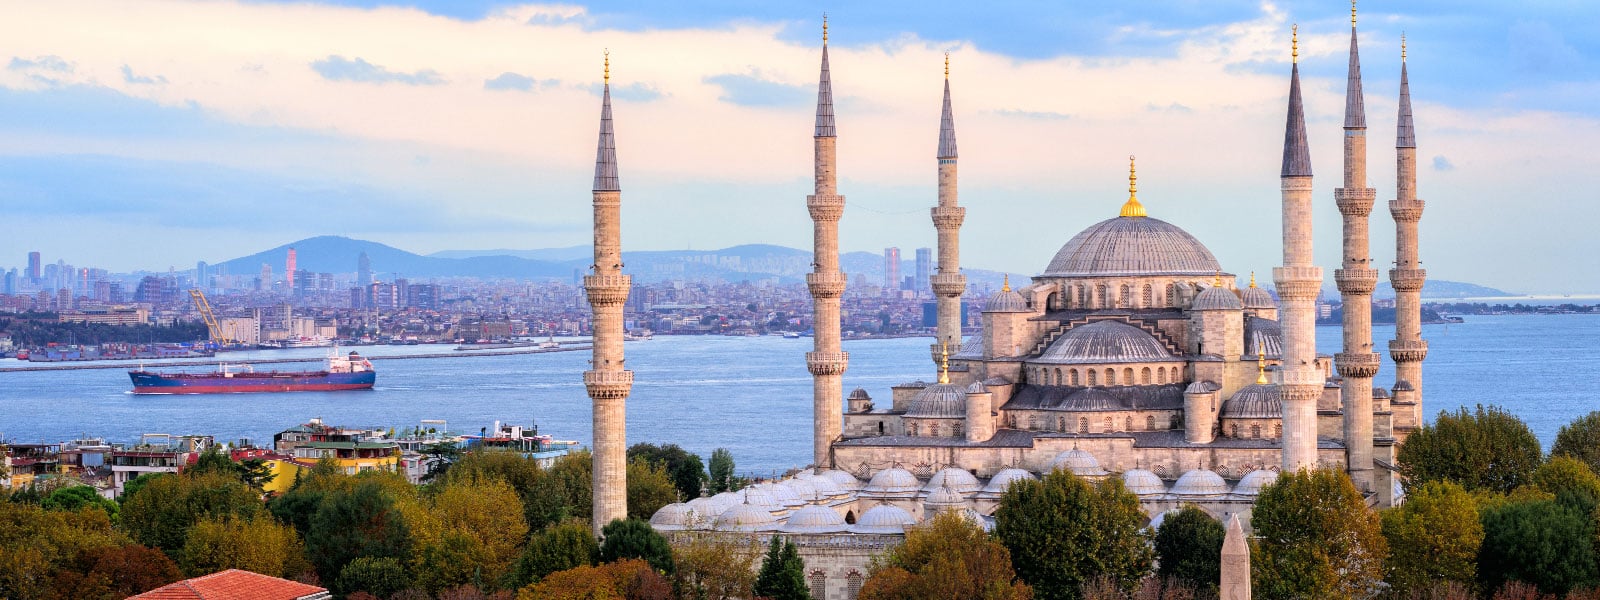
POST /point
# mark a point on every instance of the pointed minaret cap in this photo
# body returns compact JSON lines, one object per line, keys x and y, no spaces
{"x":825,"y":91}
{"x":1233,"y":542}
{"x":1406,"y":134}
{"x":947,"y":120}
{"x":1296,"y":155}
{"x":605,"y":161}
{"x":1355,"y":109}
{"x":1132,"y":208}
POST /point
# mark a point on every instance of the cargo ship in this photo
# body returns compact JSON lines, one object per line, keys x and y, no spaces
{"x":342,"y":373}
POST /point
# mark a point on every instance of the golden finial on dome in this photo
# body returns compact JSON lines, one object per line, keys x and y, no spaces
{"x":1294,"y":45}
{"x":608,"y":65}
{"x":944,"y":362}
{"x":1252,"y":279}
{"x":1132,"y":208}
{"x":1218,"y":281}
{"x":1007,"y":286}
{"x":1261,"y":366}
{"x":824,"y":29}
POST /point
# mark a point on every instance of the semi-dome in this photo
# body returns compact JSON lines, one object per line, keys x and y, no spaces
{"x":844,"y":480}
{"x":1002,"y":480}
{"x":1200,"y":482}
{"x":938,"y":401}
{"x":1133,"y":247}
{"x":1262,"y":337}
{"x":893,"y":481}
{"x":1078,"y":462}
{"x":1143,"y":483}
{"x":1216,"y":298}
{"x":671,"y":517}
{"x":959,"y":480}
{"x":884,"y":518}
{"x":1252,"y":482}
{"x":746,"y":517}
{"x":1201,"y":387}
{"x":1108,"y":341}
{"x":1090,"y":400}
{"x":977,"y":387}
{"x":1255,"y":401}
{"x":814,"y":519}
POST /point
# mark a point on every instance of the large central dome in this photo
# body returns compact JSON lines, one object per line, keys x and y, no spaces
{"x":1133,"y":247}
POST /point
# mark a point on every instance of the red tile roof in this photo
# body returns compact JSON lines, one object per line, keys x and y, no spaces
{"x":234,"y":584}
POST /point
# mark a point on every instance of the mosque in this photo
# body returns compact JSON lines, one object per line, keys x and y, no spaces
{"x":1133,"y":354}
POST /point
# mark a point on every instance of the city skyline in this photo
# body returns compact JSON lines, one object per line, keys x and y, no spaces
{"x":460,"y":127}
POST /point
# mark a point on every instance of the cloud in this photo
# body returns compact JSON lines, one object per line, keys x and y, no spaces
{"x":48,"y":62}
{"x":1440,"y":163}
{"x":633,"y":92}
{"x":755,"y":90}
{"x":1044,"y":115}
{"x":128,"y":76}
{"x":339,"y":68}
{"x":516,"y":82}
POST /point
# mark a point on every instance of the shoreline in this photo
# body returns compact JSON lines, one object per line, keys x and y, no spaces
{"x":189,"y":362}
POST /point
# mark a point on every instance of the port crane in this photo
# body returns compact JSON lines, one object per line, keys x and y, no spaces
{"x":200,"y":304}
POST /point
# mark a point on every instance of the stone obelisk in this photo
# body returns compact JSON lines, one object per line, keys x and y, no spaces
{"x":1235,"y":563}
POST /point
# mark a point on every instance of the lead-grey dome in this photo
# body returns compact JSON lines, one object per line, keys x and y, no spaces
{"x":893,"y":481}
{"x":746,"y":517}
{"x":1132,"y":246}
{"x":939,"y":401}
{"x":1252,"y":482}
{"x":884,"y":518}
{"x":956,"y":479}
{"x":814,"y":519}
{"x":1254,"y":297}
{"x":1216,"y":298}
{"x":1200,"y":482}
{"x":1255,"y":401}
{"x":1007,"y":301}
{"x":1078,"y":462}
{"x":671,"y":517}
{"x":1003,"y":480}
{"x":1143,"y":483}
{"x":1107,"y":341}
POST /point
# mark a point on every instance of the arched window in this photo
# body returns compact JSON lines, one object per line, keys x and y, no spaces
{"x":1149,"y":296}
{"x":1125,"y":296}
{"x":1128,"y":425}
{"x":911,"y":429}
{"x":1161,"y":374}
{"x":1150,"y":423}
{"x":1233,"y":431}
{"x":1091,"y":377}
{"x":1102,"y":295}
{"x":1127,"y":376}
{"x":1033,"y":422}
{"x":1083,"y":296}
{"x":957,"y":430}
{"x":1073,"y":373}
{"x":852,"y":585}
{"x":850,"y":517}
{"x":1144,"y":376}
{"x":1058,"y":376}
{"x":1083,"y":424}
{"x":1111,"y":376}
{"x":1255,"y":432}
{"x":1061,"y":424}
{"x":1277,"y":430}
{"x":818,"y":582}
{"x":1109,"y":426}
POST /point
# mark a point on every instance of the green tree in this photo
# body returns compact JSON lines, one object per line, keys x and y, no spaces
{"x":138,"y":483}
{"x":439,"y":457}
{"x":76,"y":497}
{"x":472,"y":533}
{"x":559,"y":547}
{"x":212,"y":460}
{"x":566,"y":491}
{"x":634,"y":538}
{"x":36,"y":544}
{"x":1580,"y":439}
{"x":1315,"y":538}
{"x":649,"y":489}
{"x":783,"y":574}
{"x":256,"y":473}
{"x":951,"y":557}
{"x":1488,"y":449}
{"x":300,"y":503}
{"x":722,"y":477}
{"x":1547,"y":543}
{"x":381,"y":577}
{"x":257,"y":544}
{"x":688,"y":474}
{"x":1062,"y":532}
{"x":1570,"y":481}
{"x":1189,"y":548}
{"x":454,"y":559}
{"x":160,"y":513}
{"x":364,"y":521}
{"x":1433,"y":538}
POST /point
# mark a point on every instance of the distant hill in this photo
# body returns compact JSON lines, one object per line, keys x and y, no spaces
{"x":1432,"y":289}
{"x":333,"y":254}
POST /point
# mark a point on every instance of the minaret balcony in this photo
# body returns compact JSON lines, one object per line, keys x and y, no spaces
{"x":948,"y":285}
{"x":827,"y":363}
{"x":1408,"y":351}
{"x":826,"y":284}
{"x":1356,"y":281}
{"x":1357,"y":364}
{"x":607,"y":289}
{"x":948,"y":217}
{"x":1407,"y":210}
{"x":1407,"y":280}
{"x":608,"y":385}
{"x":825,"y":208}
{"x":1297,"y":283}
{"x":1355,"y":202}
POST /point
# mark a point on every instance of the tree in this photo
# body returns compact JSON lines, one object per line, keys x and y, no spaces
{"x":361,"y":522}
{"x":649,"y":489}
{"x":212,"y":460}
{"x":559,"y":547}
{"x":1189,"y":548}
{"x":300,"y":503}
{"x":79,"y":496}
{"x":950,"y":557}
{"x":452,"y":560}
{"x":622,"y":580}
{"x":783,"y":574}
{"x":1488,"y":449}
{"x":439,"y":457}
{"x":1580,"y":439}
{"x":1570,"y":481}
{"x":566,"y":491}
{"x":160,"y":513}
{"x":138,"y":483}
{"x":714,"y":568}
{"x":478,"y":527}
{"x":256,"y":473}
{"x":115,"y":572}
{"x":1547,"y":543}
{"x":36,"y":543}
{"x":685,"y":470}
{"x":1315,"y":538}
{"x":722,"y":477}
{"x":1062,"y":531}
{"x":633,"y":538}
{"x":1433,"y":538}
{"x":257,"y":544}
{"x":381,"y":577}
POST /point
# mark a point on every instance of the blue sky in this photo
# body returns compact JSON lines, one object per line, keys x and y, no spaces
{"x":236,"y":126}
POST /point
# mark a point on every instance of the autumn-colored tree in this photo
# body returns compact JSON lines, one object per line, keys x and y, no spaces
{"x":559,"y":547}
{"x":1063,"y":531}
{"x":520,"y":472}
{"x":622,"y":580}
{"x":453,"y":559}
{"x":649,"y":489}
{"x":564,"y":492}
{"x":1580,"y":439}
{"x":380,"y":577}
{"x":1569,"y":480}
{"x":950,"y":558}
{"x":1189,"y":548}
{"x":161,"y":513}
{"x":1433,"y":538}
{"x":633,"y":538}
{"x":473,"y":534}
{"x":714,"y":568}
{"x":1315,"y":539}
{"x":783,"y":574}
{"x":36,"y":543}
{"x":114,"y":573}
{"x":259,"y":544}
{"x":1487,"y":449}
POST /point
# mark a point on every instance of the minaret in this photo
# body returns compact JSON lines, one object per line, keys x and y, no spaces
{"x":949,"y":283}
{"x":1298,"y":282}
{"x":826,"y":361}
{"x":608,"y":383}
{"x":1408,"y":348}
{"x":1356,"y":278}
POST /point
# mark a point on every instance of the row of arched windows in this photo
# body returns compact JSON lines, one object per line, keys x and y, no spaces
{"x":956,"y":429}
{"x":1255,"y":431}
{"x":1107,"y":424}
{"x":1109,"y":376}
{"x":817,"y":584}
{"x":1124,"y":296}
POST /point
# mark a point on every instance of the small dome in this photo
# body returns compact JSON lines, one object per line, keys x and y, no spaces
{"x":859,"y":394}
{"x":1257,"y":298}
{"x":1002,"y":480}
{"x":957,"y":479}
{"x":944,"y":498}
{"x":1216,"y":298}
{"x":940,"y":401}
{"x":802,"y":489}
{"x":883,"y":519}
{"x":1252,"y":482}
{"x":1255,"y":401}
{"x":814,"y":519}
{"x":1132,"y":247}
{"x":784,"y":494}
{"x":1201,"y":387}
{"x":671,"y":517}
{"x":1379,"y":392}
{"x":1200,"y":482}
{"x":1143,"y":483}
{"x":977,"y":387}
{"x":761,"y":496}
{"x":725,"y":499}
{"x":702,"y":511}
{"x":1006,"y":301}
{"x":825,"y":486}
{"x":1403,"y":386}
{"x":1078,"y":462}
{"x":893,"y":481}
{"x":1106,"y":341}
{"x":844,"y":480}
{"x":746,"y":517}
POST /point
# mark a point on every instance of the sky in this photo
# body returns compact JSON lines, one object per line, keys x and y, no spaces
{"x":148,"y":134}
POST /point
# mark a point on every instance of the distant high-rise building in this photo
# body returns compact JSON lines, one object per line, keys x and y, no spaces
{"x":891,"y":269}
{"x":422,"y":295}
{"x":266,"y":276}
{"x":34,"y":269}
{"x":10,"y":284}
{"x":924,"y":268}
{"x":288,"y":270}
{"x":363,"y":271}
{"x":202,"y":275}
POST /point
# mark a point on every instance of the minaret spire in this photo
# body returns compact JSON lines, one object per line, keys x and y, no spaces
{"x":949,"y":283}
{"x":607,"y":381}
{"x":1408,"y":349}
{"x":1357,"y":363}
{"x":827,"y":361}
{"x":1298,"y":281}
